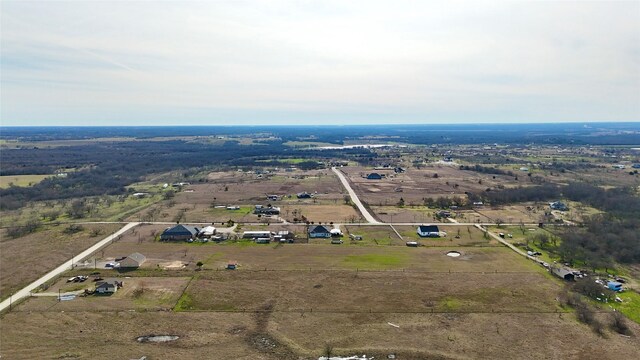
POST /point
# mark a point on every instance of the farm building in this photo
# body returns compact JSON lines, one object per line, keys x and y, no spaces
{"x":207,"y":231}
{"x":336,"y":232}
{"x":428,"y":231}
{"x":108,"y":286}
{"x":614,"y":285}
{"x":256,"y":234}
{"x":563,"y":273}
{"x":319,"y":231}
{"x":133,"y":261}
{"x":374,"y":176}
{"x":179,"y":233}
{"x":558,"y":205}
{"x":266,"y":210}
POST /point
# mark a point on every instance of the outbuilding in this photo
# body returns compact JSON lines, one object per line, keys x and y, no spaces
{"x":614,"y":285}
{"x":133,"y":261}
{"x":563,"y":273}
{"x":207,"y":232}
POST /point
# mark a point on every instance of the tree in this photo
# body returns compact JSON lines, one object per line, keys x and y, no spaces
{"x":199,"y":264}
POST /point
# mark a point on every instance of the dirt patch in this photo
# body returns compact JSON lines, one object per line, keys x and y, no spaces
{"x":156,"y":338}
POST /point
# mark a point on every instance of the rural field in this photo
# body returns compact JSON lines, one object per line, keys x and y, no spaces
{"x":20,"y":180}
{"x":416,"y":303}
{"x":414,"y":185}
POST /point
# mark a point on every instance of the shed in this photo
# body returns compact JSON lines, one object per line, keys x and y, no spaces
{"x":256,"y":234}
{"x":563,"y":273}
{"x":133,"y":261}
{"x":336,"y":232}
{"x":207,"y":231}
{"x":614,"y":285}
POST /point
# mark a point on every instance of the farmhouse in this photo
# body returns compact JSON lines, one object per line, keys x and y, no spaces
{"x":319,"y":231}
{"x":108,"y":286}
{"x":374,"y":176}
{"x":428,"y":231}
{"x":133,"y":261}
{"x":179,"y":233}
{"x":563,"y":273}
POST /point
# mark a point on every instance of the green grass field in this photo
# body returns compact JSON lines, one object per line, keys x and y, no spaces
{"x":375,"y":261}
{"x":21,"y":180}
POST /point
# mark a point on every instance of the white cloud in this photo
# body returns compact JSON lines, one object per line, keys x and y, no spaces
{"x":291,"y":62}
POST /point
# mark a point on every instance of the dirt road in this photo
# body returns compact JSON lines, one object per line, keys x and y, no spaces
{"x":365,"y":213}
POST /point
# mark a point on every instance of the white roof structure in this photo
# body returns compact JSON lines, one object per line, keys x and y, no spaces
{"x":209,"y":230}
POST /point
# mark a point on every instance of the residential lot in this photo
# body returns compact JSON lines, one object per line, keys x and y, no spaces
{"x":25,"y":259}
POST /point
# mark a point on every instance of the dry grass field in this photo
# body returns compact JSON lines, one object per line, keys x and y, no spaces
{"x":417,"y":184}
{"x":25,"y":259}
{"x":377,"y":300}
{"x":245,"y":188}
{"x":339,"y":213}
{"x":276,"y":335}
{"x":372,"y":291}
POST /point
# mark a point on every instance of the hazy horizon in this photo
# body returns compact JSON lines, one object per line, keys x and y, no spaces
{"x":123,"y":63}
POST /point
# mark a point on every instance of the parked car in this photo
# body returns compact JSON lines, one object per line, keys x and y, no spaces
{"x":110,"y":265}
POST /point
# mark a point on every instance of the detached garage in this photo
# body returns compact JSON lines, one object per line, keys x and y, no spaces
{"x":133,"y":261}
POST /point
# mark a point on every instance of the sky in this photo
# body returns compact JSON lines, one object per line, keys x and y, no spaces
{"x":105,"y":63}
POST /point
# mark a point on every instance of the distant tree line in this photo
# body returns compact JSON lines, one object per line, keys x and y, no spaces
{"x":605,"y":238}
{"x":107,"y":168}
{"x":486,"y":170}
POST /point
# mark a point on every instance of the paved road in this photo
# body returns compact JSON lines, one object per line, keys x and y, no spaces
{"x":367,"y":216}
{"x":25,"y":292}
